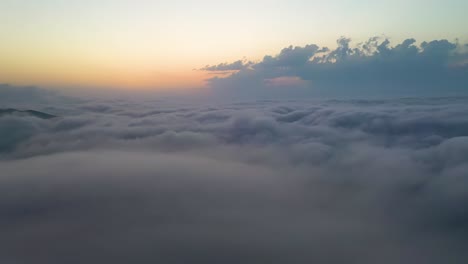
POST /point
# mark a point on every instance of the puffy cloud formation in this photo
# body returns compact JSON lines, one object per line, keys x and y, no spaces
{"x":374,"y":67}
{"x":235,"y":66}
{"x":298,"y":181}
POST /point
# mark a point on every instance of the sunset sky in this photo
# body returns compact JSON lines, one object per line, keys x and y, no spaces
{"x":158,"y":44}
{"x":233,"y":131}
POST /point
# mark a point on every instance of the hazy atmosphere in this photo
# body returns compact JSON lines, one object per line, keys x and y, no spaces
{"x":233,"y":132}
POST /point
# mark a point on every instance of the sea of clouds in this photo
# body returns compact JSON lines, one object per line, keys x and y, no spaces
{"x":273,"y":181}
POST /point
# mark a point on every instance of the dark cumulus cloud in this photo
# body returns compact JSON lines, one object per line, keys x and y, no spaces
{"x":272,"y":181}
{"x":235,"y":66}
{"x":374,"y":67}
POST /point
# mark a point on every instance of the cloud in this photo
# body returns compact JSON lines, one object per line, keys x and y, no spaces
{"x":285,"y":81}
{"x":277,"y":181}
{"x":23,"y":96}
{"x":291,"y":56}
{"x":235,"y":66}
{"x":15,"y":130}
{"x":175,"y":208}
{"x":437,"y":67}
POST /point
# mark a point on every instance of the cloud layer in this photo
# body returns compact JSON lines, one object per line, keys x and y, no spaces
{"x":375,"y":67}
{"x":299,"y":181}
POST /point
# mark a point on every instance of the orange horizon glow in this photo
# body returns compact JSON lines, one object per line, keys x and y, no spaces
{"x":141,"y":79}
{"x":156,"y":44}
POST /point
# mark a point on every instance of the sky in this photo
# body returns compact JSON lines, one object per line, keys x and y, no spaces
{"x":158,"y":44}
{"x":233,"y":132}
